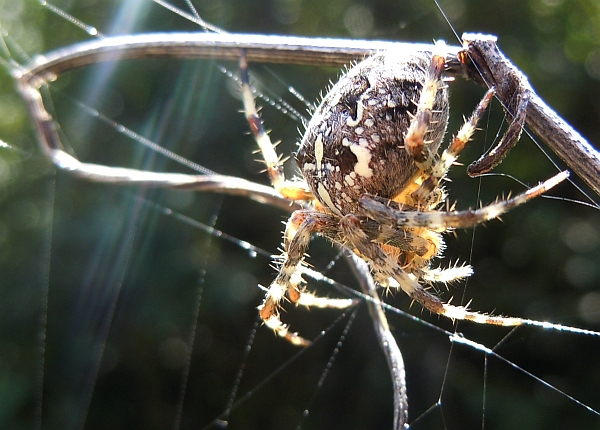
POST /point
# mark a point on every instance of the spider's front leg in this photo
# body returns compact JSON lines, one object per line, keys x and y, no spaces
{"x":299,"y":229}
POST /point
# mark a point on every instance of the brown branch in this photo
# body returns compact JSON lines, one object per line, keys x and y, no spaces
{"x":487,"y":65}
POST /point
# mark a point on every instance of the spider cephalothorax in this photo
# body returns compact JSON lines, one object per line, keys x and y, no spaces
{"x":372,"y":173}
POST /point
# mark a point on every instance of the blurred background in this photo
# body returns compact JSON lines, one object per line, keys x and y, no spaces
{"x":102,"y":287}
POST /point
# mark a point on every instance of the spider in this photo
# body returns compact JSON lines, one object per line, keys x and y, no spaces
{"x":373,"y":182}
{"x":372,"y":173}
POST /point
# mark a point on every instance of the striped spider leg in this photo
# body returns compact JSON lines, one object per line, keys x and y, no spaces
{"x":372,"y":174}
{"x":297,"y":234}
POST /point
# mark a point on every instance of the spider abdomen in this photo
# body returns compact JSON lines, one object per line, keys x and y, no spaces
{"x":354,"y":143}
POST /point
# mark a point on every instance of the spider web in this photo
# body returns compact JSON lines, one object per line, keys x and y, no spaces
{"x":103,"y":288}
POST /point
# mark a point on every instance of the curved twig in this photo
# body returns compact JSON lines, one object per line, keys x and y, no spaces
{"x":489,"y":66}
{"x":386,"y":340}
{"x":485,"y":64}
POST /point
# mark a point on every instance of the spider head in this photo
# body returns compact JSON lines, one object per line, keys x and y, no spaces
{"x":354,"y":142}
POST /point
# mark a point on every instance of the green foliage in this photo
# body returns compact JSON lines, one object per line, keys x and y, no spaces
{"x":103,"y":258}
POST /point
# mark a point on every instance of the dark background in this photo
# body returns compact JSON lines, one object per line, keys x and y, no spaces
{"x":82,"y":262}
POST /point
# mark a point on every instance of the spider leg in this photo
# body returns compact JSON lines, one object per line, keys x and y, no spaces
{"x":402,"y":239}
{"x":451,"y":153}
{"x":384,"y":265}
{"x":289,"y":189}
{"x":513,"y":90}
{"x":414,"y":139}
{"x":512,"y":135}
{"x":299,"y":229}
{"x":447,"y":275}
{"x":441,"y":221}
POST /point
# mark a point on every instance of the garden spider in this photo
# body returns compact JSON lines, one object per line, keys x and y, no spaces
{"x":376,"y":193}
{"x":369,"y":159}
{"x":379,"y":223}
